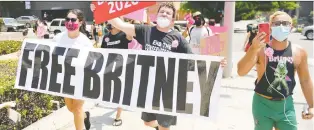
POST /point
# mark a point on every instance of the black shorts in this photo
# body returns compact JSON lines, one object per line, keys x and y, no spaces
{"x":163,"y":120}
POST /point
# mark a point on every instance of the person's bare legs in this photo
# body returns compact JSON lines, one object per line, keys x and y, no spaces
{"x":119,"y":111}
{"x":76,"y":107}
{"x":78,"y":114}
{"x":117,"y":120}
{"x":163,"y":128}
{"x":152,"y":124}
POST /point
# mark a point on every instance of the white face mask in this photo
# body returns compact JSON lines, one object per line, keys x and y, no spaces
{"x":163,"y":22}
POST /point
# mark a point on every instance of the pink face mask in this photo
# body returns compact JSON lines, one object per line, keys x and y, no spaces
{"x":71,"y":26}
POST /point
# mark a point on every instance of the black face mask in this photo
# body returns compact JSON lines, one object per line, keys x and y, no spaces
{"x":198,"y":22}
{"x":109,"y":26}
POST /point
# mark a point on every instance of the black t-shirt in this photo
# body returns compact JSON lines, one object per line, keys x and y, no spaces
{"x":154,"y":40}
{"x":118,"y":40}
{"x":279,"y":75}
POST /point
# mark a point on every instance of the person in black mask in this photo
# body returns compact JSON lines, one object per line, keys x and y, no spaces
{"x":116,"y":39}
{"x":198,"y":31}
{"x":252,"y":30}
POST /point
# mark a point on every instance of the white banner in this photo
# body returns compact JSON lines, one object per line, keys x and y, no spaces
{"x":157,"y":82}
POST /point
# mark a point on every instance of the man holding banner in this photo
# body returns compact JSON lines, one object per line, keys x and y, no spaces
{"x":157,"y":38}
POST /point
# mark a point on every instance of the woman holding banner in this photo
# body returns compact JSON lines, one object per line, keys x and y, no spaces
{"x":73,"y":36}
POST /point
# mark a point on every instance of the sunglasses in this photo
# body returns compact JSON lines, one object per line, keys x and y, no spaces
{"x":278,"y":23}
{"x":71,"y":19}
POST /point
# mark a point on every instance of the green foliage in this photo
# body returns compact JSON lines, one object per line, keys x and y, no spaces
{"x":244,"y":9}
{"x":299,"y":30}
{"x":248,"y":9}
{"x":1,"y":23}
{"x":31,"y":105}
{"x":288,"y":5}
{"x":9,"y":46}
{"x":294,"y":22}
{"x":7,"y":75}
{"x":209,"y":9}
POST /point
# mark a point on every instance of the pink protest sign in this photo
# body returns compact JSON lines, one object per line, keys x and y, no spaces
{"x":216,"y":29}
{"x":134,"y":45}
{"x":188,"y":17}
{"x":214,"y":44}
{"x":211,"y":45}
{"x":137,"y":15}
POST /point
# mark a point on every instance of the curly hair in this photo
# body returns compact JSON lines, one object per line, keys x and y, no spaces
{"x":168,"y":5}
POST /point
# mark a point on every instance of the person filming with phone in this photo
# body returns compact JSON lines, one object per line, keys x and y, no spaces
{"x":276,"y":63}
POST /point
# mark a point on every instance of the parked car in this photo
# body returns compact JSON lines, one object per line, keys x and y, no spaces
{"x":56,"y":26}
{"x":242,"y":24}
{"x":11,"y":25}
{"x":308,"y":32}
{"x":29,"y":21}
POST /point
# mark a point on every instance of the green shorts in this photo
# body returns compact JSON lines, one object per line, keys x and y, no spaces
{"x":268,"y":114}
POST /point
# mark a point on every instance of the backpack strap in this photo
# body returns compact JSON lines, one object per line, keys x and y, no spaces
{"x":189,"y":31}
{"x":207,"y":30}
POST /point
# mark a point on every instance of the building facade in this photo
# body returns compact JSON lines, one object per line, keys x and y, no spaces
{"x":59,"y":9}
{"x":54,"y":9}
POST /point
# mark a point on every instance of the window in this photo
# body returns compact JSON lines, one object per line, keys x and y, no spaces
{"x":9,"y":20}
{"x":62,"y":23}
{"x":25,"y":18}
{"x":55,"y":23}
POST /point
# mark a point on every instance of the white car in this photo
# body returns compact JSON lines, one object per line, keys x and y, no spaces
{"x":11,"y":25}
{"x":56,"y":26}
{"x":308,"y":32}
{"x":242,"y":24}
{"x":29,"y":21}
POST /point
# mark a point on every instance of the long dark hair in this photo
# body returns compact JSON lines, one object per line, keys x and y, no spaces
{"x":80,"y":17}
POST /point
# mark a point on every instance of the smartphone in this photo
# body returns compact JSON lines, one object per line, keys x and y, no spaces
{"x":265,"y":27}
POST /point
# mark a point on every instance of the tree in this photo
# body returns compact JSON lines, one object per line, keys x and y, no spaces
{"x":209,"y":9}
{"x":248,"y":9}
{"x":244,"y":9}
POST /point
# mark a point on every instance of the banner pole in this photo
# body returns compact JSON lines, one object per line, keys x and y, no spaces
{"x":229,"y":16}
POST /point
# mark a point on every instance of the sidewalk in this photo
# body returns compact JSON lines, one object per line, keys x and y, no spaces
{"x":234,"y":111}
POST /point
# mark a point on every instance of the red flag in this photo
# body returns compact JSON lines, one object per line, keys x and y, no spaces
{"x":108,"y":10}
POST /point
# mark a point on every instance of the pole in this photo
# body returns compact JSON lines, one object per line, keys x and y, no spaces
{"x":229,"y":17}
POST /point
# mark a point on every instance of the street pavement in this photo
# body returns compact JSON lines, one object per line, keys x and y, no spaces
{"x":234,"y":110}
